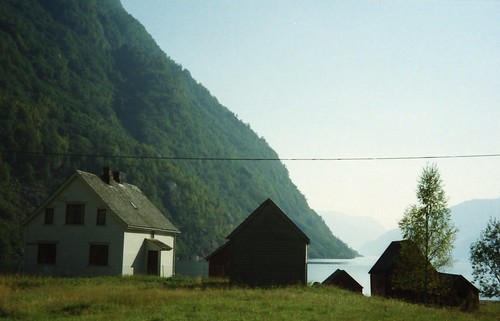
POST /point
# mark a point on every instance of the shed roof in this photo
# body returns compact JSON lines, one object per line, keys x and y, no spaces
{"x":458,"y":281}
{"x":260,"y":210}
{"x":157,"y":244}
{"x":217,"y":250}
{"x":341,"y":274}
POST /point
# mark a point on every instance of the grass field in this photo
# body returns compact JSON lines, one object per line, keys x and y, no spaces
{"x":155,"y":299}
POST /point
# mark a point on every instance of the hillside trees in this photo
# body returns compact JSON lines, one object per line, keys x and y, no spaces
{"x":83,"y":83}
{"x":485,"y":259}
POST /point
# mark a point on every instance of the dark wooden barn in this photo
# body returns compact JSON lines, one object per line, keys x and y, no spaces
{"x":218,"y":262}
{"x":342,"y":279}
{"x":381,"y":274}
{"x":266,"y":249}
{"x":400,"y":273}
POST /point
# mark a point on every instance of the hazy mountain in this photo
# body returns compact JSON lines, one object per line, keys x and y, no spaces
{"x":354,"y":230}
{"x":378,"y":246}
{"x":82,"y":82}
{"x":469,"y":217}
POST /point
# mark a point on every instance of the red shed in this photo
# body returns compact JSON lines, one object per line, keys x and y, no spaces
{"x":218,"y":262}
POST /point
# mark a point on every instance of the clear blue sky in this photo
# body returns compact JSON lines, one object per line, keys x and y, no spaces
{"x":333,"y":79}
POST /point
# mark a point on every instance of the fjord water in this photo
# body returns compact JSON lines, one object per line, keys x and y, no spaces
{"x":319,"y":269}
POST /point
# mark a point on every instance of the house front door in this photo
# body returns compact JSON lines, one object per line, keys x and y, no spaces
{"x":153,"y":263}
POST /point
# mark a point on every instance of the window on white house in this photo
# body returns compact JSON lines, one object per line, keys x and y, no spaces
{"x":101,"y":217}
{"x":49,"y":216}
{"x":46,"y":253}
{"x":98,"y":254}
{"x":75,"y":214}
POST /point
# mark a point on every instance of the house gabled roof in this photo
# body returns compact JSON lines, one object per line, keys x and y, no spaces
{"x":261,"y":209}
{"x":387,"y":260}
{"x":127,"y":201}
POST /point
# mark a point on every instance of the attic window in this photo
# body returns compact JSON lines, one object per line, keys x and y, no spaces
{"x":101,"y":217}
{"x":49,"y":216}
{"x":133,"y":204}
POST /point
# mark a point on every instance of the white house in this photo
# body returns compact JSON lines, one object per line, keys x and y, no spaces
{"x":98,"y":226}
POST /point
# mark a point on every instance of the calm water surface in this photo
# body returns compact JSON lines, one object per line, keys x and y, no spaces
{"x":319,"y":269}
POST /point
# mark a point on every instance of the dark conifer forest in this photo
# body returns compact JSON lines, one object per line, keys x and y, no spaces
{"x":82,"y":82}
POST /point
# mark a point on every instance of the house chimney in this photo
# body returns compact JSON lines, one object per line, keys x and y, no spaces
{"x":116,"y":176}
{"x":106,"y":177}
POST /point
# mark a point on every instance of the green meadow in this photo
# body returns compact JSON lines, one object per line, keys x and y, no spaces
{"x":155,"y":299}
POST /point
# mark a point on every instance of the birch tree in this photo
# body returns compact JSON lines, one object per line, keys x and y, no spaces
{"x":428,"y":223}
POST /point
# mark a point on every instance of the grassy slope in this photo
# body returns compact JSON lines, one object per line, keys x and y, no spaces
{"x":132,"y":298}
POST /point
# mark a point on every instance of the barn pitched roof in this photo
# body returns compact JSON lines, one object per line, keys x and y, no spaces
{"x":260,"y":210}
{"x":129,"y":203}
{"x":390,"y":256}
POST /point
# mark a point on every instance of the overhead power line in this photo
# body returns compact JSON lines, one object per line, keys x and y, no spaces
{"x":203,"y":158}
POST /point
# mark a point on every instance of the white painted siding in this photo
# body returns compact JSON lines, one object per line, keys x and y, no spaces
{"x":72,"y":257}
{"x":167,"y":263}
{"x":135,"y":254}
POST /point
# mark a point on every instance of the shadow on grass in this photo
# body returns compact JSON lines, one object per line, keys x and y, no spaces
{"x":74,"y":309}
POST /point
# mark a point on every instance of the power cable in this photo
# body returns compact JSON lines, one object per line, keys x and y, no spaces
{"x":202,"y":158}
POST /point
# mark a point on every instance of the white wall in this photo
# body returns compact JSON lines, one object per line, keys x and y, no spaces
{"x":135,"y":254}
{"x":167,"y":264}
{"x":73,"y":240}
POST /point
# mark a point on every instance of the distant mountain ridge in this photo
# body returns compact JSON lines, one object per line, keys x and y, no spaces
{"x":83,"y":83}
{"x":470,"y":217}
{"x":354,"y":230}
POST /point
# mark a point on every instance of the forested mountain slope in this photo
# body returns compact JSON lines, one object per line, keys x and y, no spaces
{"x":82,"y":82}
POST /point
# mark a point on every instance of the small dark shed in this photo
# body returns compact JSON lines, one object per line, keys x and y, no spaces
{"x":266,"y":249}
{"x":218,"y":262}
{"x":399,"y":273}
{"x":343,"y":280}
{"x":460,"y":292}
